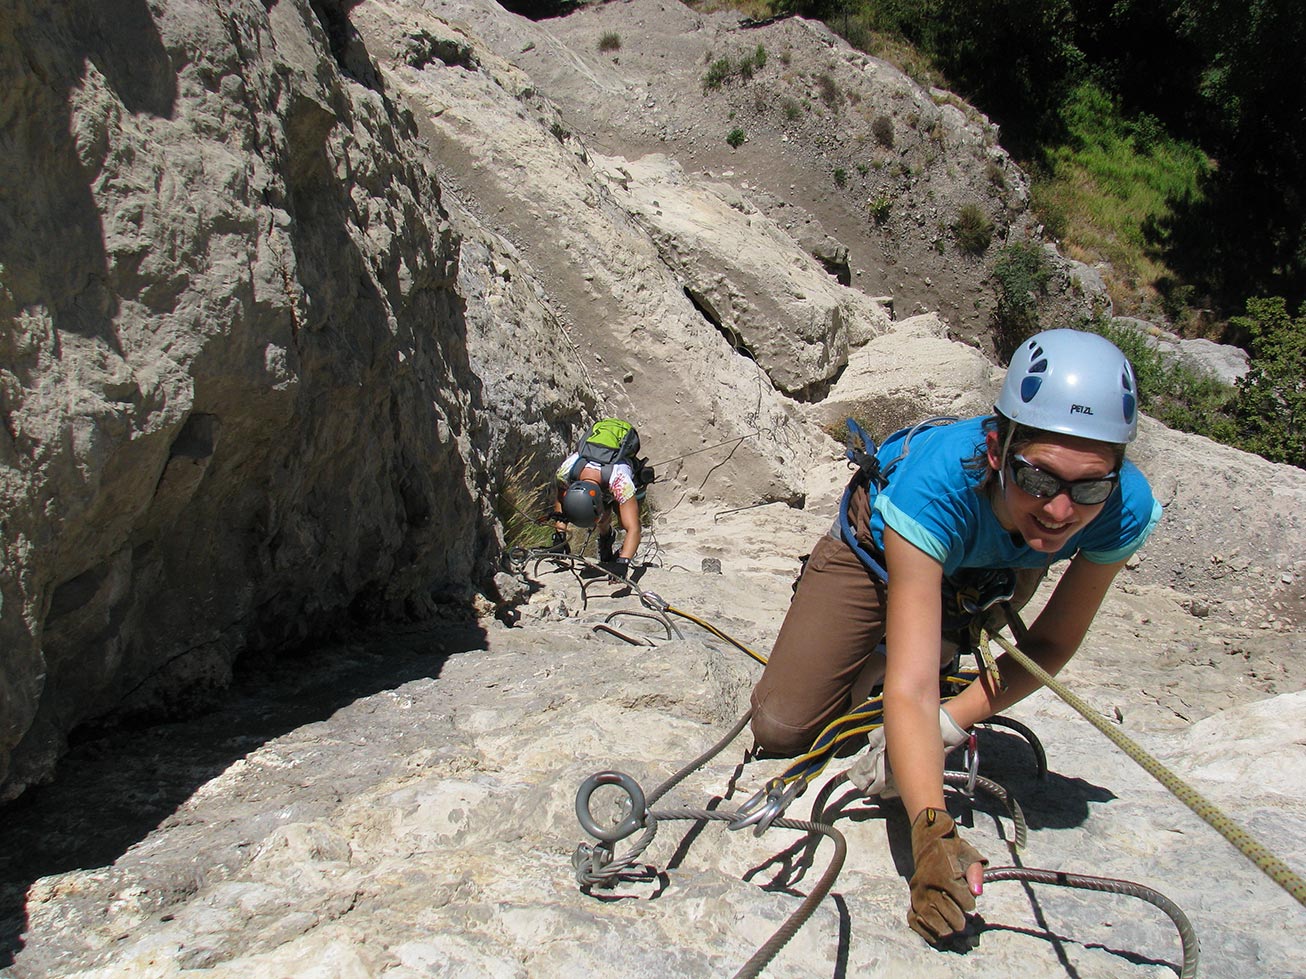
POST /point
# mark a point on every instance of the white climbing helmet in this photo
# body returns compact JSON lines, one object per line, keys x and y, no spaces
{"x":1074,"y":383}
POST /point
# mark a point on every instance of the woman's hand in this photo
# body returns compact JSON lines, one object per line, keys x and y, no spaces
{"x":948,"y":876}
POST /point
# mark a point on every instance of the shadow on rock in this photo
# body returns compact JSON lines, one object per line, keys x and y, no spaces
{"x":114,"y":788}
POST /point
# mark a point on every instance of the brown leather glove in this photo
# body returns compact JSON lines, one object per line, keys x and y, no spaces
{"x":940,"y":895}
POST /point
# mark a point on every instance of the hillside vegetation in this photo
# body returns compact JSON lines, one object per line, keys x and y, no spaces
{"x":1165,"y":147}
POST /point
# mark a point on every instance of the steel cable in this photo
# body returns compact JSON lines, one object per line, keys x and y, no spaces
{"x":798,"y":917}
{"x":1187,"y":936}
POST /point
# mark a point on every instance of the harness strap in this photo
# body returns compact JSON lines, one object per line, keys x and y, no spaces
{"x":581,"y":464}
{"x":867,"y":475}
{"x":972,"y":591}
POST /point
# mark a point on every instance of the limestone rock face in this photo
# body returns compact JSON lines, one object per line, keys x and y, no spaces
{"x":242,"y":390}
{"x":760,"y":288}
{"x":289,"y":290}
{"x":505,"y":155}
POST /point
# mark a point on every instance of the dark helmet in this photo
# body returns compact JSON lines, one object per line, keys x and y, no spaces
{"x":583,"y":503}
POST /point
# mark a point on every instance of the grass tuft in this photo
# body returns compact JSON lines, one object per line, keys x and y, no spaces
{"x":517,"y":506}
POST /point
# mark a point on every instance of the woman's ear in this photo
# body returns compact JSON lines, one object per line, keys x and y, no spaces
{"x":993,"y":449}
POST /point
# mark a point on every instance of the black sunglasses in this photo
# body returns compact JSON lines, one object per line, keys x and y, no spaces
{"x":1043,"y":485}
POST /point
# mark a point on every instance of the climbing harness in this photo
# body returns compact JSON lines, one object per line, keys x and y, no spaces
{"x":870,"y":475}
{"x":968,"y":593}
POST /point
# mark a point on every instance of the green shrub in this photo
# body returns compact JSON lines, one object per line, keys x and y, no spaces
{"x":863,"y":169}
{"x":882,"y":130}
{"x":722,"y":70}
{"x":559,"y":132}
{"x":792,"y":109}
{"x":736,"y":137}
{"x":1021,"y":272}
{"x":879,"y":209}
{"x":1265,"y":412}
{"x":610,"y":41}
{"x":1271,"y":404}
{"x":829,"y":89}
{"x":717,"y":73}
{"x":1173,"y":392}
{"x":840,"y":176}
{"x":973,"y":229}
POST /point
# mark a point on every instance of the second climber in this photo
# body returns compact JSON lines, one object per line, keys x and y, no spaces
{"x":603,"y":476}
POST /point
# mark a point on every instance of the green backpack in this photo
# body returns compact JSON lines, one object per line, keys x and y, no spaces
{"x":609,"y":442}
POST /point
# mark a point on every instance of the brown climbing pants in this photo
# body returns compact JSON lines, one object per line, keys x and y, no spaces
{"x":827,"y":638}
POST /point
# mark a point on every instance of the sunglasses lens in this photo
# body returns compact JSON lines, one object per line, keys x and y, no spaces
{"x":1090,"y":494}
{"x":1037,"y":483}
{"x":1042,"y":486}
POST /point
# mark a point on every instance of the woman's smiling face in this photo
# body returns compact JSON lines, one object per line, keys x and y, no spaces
{"x":1046,"y":524}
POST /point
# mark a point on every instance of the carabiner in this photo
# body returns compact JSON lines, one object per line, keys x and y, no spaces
{"x":766,"y":805}
{"x":654,"y":601}
{"x":971,"y":757}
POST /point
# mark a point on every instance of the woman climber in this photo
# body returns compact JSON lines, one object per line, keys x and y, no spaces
{"x":1043,"y":479}
{"x":603,"y":476}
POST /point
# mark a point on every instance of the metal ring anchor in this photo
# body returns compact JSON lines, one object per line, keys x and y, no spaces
{"x":638,"y":807}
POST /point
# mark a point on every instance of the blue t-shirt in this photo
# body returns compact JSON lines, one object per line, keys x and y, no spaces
{"x":933,"y":501}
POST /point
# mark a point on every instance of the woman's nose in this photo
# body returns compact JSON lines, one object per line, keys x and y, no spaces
{"x":1060,"y":507}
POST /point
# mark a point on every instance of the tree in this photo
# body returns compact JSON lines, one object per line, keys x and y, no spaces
{"x":1014,"y":58}
{"x":1253,"y":93}
{"x":1271,"y":407}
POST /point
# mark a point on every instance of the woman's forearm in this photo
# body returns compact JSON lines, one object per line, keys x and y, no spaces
{"x":915,"y":751}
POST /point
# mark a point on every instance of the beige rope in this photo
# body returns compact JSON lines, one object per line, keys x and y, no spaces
{"x":1275,"y":868}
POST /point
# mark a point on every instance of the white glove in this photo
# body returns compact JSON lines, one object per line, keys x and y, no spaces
{"x":870,"y":772}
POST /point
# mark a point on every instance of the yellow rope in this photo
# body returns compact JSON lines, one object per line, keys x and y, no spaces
{"x":1275,"y":868}
{"x":716,"y":632}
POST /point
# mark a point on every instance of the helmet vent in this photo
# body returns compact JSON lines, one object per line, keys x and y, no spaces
{"x":1029,"y":387}
{"x":1130,"y":407}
